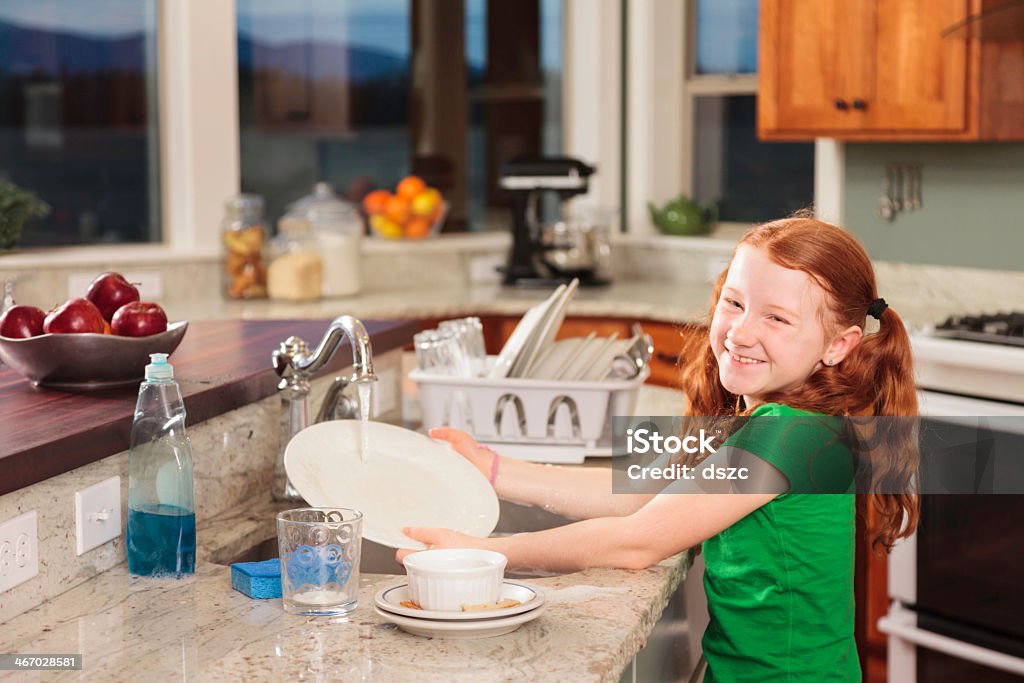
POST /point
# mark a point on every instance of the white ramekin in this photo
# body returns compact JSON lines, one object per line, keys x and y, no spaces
{"x":450,"y":578}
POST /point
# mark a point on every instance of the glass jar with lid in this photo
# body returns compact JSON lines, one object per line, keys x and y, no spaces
{"x":338,"y":229}
{"x":296,"y":267}
{"x":244,"y":235}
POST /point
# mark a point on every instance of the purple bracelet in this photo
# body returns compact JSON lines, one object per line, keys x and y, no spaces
{"x":495,"y":459}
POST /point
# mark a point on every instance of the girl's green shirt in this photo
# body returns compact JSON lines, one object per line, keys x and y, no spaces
{"x":780,"y":581}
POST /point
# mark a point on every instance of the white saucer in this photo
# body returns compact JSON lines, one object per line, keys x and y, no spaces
{"x":476,"y":628}
{"x":390,"y":600}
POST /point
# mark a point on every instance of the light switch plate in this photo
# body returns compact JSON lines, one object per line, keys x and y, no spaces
{"x":19,"y":550}
{"x":484,"y":269}
{"x":98,"y":514}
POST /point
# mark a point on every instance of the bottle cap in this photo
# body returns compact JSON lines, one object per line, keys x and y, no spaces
{"x":158,"y":367}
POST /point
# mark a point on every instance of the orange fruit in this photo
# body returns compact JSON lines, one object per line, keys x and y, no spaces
{"x":410,"y":186}
{"x":374,"y":202}
{"x":397,"y":209}
{"x":417,"y":228}
{"x":385,"y":228}
{"x":426,"y":202}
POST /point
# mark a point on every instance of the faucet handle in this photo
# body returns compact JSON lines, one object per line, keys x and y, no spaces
{"x":336,"y":405}
{"x":284,"y":357}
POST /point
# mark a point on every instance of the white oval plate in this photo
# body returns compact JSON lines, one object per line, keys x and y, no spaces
{"x":390,"y":600}
{"x":479,"y":628}
{"x":407,"y":480}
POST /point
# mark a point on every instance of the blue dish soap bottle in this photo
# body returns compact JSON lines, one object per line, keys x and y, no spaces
{"x":161,"y":535}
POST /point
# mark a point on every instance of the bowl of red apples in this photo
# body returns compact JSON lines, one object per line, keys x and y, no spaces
{"x":100,"y":340}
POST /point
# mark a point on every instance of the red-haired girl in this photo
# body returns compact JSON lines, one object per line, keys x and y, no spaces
{"x":797,"y":329}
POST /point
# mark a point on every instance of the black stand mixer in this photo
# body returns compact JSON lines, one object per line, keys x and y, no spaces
{"x":525,"y":179}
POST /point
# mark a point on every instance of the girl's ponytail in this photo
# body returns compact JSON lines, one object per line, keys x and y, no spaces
{"x":884,"y":358}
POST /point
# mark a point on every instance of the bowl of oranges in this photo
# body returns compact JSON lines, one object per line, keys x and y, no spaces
{"x":414,"y":211}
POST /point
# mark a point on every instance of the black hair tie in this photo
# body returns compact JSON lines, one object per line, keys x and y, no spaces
{"x":877,"y":308}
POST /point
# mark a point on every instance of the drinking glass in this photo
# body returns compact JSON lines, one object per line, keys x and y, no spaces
{"x":470,"y":332}
{"x":441,"y":353}
{"x":320,"y":549}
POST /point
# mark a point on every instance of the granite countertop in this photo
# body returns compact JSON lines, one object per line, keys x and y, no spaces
{"x":129,"y":628}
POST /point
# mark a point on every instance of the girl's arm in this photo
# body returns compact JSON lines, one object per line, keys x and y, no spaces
{"x":576,"y":492}
{"x":668,"y":524}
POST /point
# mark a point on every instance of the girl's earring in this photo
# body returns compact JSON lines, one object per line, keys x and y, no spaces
{"x":831,"y":362}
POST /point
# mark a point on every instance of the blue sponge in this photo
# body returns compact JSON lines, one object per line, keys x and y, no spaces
{"x":259,"y":580}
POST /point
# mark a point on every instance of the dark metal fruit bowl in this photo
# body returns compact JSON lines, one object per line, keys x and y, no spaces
{"x":86,"y":361}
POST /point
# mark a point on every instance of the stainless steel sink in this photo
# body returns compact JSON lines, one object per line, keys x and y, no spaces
{"x":378,"y":559}
{"x":374,"y":558}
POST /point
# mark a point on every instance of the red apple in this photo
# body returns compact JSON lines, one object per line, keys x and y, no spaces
{"x":110,"y":291}
{"x":19,"y":322}
{"x":139,"y":319}
{"x":74,"y":316}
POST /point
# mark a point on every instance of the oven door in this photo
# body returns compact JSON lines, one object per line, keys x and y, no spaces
{"x":957,"y":585}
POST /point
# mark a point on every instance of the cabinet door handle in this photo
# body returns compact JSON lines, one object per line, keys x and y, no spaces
{"x":666,"y":357}
{"x":841,"y":104}
{"x":860,"y":104}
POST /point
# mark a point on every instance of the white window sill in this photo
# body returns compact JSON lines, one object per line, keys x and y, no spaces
{"x":466,"y":241}
{"x":110,"y":253}
{"x":721,"y":241}
{"x":141,"y":254}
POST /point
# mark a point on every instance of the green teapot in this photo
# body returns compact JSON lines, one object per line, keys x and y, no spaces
{"x":683,"y":216}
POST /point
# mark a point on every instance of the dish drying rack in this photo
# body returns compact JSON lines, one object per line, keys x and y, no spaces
{"x":539,"y":420}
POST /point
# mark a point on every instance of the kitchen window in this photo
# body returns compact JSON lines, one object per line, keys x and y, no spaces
{"x":723,"y":161}
{"x":79,"y":117}
{"x":362,"y":92}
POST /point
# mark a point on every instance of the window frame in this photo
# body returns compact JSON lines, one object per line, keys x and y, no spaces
{"x":663,"y":89}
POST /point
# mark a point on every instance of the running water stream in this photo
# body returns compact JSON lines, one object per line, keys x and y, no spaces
{"x":365,"y":394}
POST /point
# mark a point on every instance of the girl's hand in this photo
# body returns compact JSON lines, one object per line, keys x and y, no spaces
{"x":438,"y":538}
{"x":481,"y":457}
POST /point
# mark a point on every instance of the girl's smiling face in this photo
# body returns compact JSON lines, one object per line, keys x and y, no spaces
{"x":768,"y":331}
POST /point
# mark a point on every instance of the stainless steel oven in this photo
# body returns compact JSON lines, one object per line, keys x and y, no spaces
{"x":957,"y":585}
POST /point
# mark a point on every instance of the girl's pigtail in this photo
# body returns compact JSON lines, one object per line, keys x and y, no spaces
{"x":886,"y":357}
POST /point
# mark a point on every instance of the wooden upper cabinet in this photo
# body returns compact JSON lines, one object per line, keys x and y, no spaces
{"x":806,"y":68}
{"x":881,"y":70}
{"x":920,"y":78}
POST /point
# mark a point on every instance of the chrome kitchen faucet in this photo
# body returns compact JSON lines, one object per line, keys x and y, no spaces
{"x":295,"y":365}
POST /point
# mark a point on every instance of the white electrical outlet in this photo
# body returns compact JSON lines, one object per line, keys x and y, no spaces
{"x":484,"y":269}
{"x":98,"y":514}
{"x":19,"y":550}
{"x":385,"y":392}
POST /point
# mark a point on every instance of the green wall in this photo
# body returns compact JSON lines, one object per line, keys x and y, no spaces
{"x":972,"y":210}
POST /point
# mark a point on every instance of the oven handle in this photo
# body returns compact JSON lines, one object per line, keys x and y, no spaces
{"x":901,"y":623}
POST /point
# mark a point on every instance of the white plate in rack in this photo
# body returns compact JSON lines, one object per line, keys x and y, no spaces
{"x":545,"y":331}
{"x":521,"y":335}
{"x":552,"y":361}
{"x":601,"y":361}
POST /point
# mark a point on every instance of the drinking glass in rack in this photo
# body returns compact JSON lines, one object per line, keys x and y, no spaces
{"x":442,"y":353}
{"x":470,"y":332}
